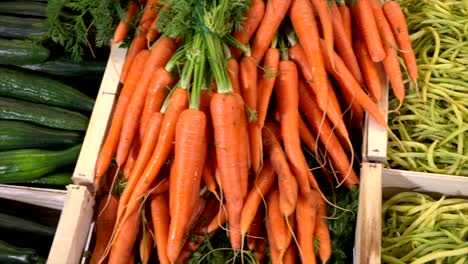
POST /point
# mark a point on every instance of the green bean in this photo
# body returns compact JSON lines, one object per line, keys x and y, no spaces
{"x":441,"y":254}
{"x":391,"y":260}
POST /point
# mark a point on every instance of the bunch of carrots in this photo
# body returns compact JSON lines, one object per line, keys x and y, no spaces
{"x":228,"y":112}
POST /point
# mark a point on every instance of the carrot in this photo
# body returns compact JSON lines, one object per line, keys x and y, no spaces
{"x":107,"y":212}
{"x":155,"y":95}
{"x":133,"y":155}
{"x":275,"y":254}
{"x":109,"y":148}
{"x":160,"y":215}
{"x":149,"y":15}
{"x":227,"y":113}
{"x":147,"y":146}
{"x":160,"y":55}
{"x":321,"y":230}
{"x":218,"y":220}
{"x":208,"y":177}
{"x":396,"y":19}
{"x":306,"y":214}
{"x":233,"y":73}
{"x":253,"y":17}
{"x":280,"y":234}
{"x":255,"y":230}
{"x":146,"y":244}
{"x":346,"y":19}
{"x":275,"y":11}
{"x":259,"y":189}
{"x":153,"y":32}
{"x":122,"y":29}
{"x":303,"y":20}
{"x":366,"y":23}
{"x":332,"y":107}
{"x":306,"y":136}
{"x":369,"y":69}
{"x":344,"y":46}
{"x":290,"y":256}
{"x":266,"y":83}
{"x":243,"y":155}
{"x":287,"y":95}
{"x":313,"y":114}
{"x":287,"y":182}
{"x":138,"y":44}
{"x":261,"y":244}
{"x":249,"y":91}
{"x":347,"y":82}
{"x":325,"y":16}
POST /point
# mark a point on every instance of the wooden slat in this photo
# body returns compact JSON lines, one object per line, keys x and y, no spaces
{"x":49,"y":198}
{"x":369,"y":226}
{"x":84,"y":172}
{"x":74,"y":224}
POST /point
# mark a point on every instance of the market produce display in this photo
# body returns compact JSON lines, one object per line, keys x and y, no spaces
{"x":428,"y":132}
{"x":418,"y":228}
{"x":234,"y":121}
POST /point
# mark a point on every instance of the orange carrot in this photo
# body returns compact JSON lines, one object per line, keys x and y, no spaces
{"x":253,"y":17}
{"x":275,"y":12}
{"x":109,"y":148}
{"x":313,"y":114}
{"x":287,"y":95}
{"x":153,"y":32}
{"x":287,"y":182}
{"x":347,"y":82}
{"x":255,"y":229}
{"x":249,"y":91}
{"x":275,"y":254}
{"x":306,"y":214}
{"x":391,"y":63}
{"x":306,"y":136}
{"x":147,"y":146}
{"x":233,"y":73}
{"x":369,"y":69}
{"x":280,"y":234}
{"x":133,"y":155}
{"x":146,"y":244}
{"x":346,"y":18}
{"x":227,"y":113}
{"x":321,"y":230}
{"x":156,"y":94}
{"x":365,"y":20}
{"x":190,"y":154}
{"x":138,"y":44}
{"x":149,"y":15}
{"x":290,"y":256}
{"x":266,"y":83}
{"x":160,"y":215}
{"x":107,"y":212}
{"x":396,"y":19}
{"x":343,"y":46}
{"x":122,"y":29}
{"x":303,"y":20}
{"x":243,"y":155}
{"x":218,"y":220}
{"x":160,"y":55}
{"x":259,"y":189}
{"x":325,"y":16}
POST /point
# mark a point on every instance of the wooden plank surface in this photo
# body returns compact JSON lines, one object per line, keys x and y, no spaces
{"x":50,"y":198}
{"x":74,"y":224}
{"x":85,"y":167}
{"x":369,"y":226}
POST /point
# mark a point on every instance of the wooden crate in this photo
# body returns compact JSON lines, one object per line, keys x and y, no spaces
{"x":84,"y":172}
{"x":49,"y":198}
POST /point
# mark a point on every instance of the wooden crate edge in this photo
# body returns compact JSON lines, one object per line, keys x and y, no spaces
{"x":49,"y":198}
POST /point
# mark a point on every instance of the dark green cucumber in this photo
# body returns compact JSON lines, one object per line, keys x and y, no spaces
{"x":39,"y":89}
{"x":10,"y":254}
{"x":41,"y":114}
{"x":24,"y":227}
{"x":67,"y":67}
{"x":30,"y":164}
{"x":15,"y":8}
{"x":21,"y":52}
{"x":53,"y":180}
{"x":20,"y":135}
{"x":24,"y":28}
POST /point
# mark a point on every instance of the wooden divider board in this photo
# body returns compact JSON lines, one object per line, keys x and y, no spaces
{"x":73,"y":227}
{"x":49,"y":198}
{"x":84,"y":172}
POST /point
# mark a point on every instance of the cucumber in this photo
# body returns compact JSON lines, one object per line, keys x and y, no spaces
{"x":67,"y":67}
{"x":20,"y":52}
{"x":16,"y":8}
{"x":20,"y":135}
{"x":30,"y":164}
{"x":24,"y":28}
{"x":38,"y":89}
{"x":10,"y":254}
{"x":24,"y":227}
{"x":41,"y":114}
{"x":53,"y":180}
